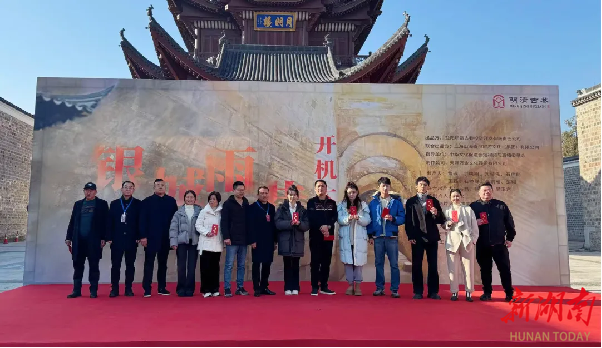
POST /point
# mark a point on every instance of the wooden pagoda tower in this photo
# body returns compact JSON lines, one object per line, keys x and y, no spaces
{"x":275,"y":40}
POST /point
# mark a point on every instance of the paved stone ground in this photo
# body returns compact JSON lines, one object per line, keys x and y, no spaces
{"x":585,"y":267}
{"x":12,"y":256}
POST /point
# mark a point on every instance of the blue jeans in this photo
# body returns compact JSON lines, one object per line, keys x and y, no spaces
{"x":240,"y":252}
{"x":389,"y":246}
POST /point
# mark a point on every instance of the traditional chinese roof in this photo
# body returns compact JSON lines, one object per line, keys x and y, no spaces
{"x":86,"y":102}
{"x":586,"y":95}
{"x":13,"y":106}
{"x":277,"y":63}
{"x":140,"y":67}
{"x":245,"y":62}
{"x":408,"y":71}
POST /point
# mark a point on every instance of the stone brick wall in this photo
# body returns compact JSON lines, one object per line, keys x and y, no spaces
{"x":587,"y":109}
{"x":16,"y":134}
{"x":573,"y":199}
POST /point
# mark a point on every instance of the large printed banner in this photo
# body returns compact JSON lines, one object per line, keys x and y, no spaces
{"x":206,"y":135}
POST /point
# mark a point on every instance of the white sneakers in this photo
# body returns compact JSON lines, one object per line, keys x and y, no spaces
{"x":288,"y":292}
{"x":295,"y":292}
{"x":215,"y":294}
{"x":207,"y":294}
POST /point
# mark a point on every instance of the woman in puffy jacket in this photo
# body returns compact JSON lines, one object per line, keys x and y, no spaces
{"x":183,"y":238}
{"x":291,"y":238}
{"x":354,"y":216}
{"x":210,"y":245}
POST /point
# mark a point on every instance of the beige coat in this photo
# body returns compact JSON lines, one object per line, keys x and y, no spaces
{"x":465,"y":231}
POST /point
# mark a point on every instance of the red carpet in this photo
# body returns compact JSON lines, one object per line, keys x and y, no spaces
{"x":42,"y":315}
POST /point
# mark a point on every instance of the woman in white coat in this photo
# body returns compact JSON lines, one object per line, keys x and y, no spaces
{"x":210,"y":244}
{"x":462,"y":233}
{"x":354,"y":216}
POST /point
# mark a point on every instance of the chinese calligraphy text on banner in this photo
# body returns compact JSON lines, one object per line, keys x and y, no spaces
{"x":326,"y":163}
{"x":277,"y":134}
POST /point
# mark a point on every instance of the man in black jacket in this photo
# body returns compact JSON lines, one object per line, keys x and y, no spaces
{"x":322,"y":214}
{"x":233,"y":225}
{"x":155,"y":219}
{"x":86,"y":238}
{"x":496,"y":233}
{"x":263,"y":238}
{"x":423,"y":234}
{"x":123,"y":236}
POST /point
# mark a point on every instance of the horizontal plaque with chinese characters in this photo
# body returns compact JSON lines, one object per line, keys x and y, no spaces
{"x":275,"y":21}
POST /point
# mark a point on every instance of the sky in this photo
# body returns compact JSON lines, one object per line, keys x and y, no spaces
{"x":493,"y":42}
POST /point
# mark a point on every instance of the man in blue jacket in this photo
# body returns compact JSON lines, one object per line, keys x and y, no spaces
{"x":383,"y":231}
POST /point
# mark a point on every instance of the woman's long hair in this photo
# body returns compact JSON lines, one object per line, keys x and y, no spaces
{"x":357,"y":201}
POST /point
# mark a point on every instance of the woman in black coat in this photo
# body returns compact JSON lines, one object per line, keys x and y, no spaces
{"x":291,"y":238}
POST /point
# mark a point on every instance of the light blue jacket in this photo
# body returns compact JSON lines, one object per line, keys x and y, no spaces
{"x":359,"y":256}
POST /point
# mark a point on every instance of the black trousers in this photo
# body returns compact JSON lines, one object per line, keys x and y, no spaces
{"x":187,"y":256}
{"x":432,"y":281}
{"x":78,"y":269}
{"x":116,"y":259}
{"x":209,"y":264}
{"x":321,"y":255}
{"x":486,"y":254}
{"x":261,"y":275}
{"x":291,"y":273}
{"x":149,"y":267}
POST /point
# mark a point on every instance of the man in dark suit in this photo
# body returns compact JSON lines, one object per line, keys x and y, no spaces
{"x":123,"y":235}
{"x":262,"y":232}
{"x":423,"y":234}
{"x":86,"y":238}
{"x":155,"y":219}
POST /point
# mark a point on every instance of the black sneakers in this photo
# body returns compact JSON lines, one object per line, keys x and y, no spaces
{"x":434,"y":296}
{"x":395,"y":294}
{"x":227,"y":293}
{"x":417,"y":297}
{"x":314,"y":292}
{"x":164,"y":292}
{"x":485,"y":297}
{"x":267,"y":291}
{"x":327,"y":291}
{"x":113,"y":293}
{"x":129,"y":292}
{"x":241,"y":291}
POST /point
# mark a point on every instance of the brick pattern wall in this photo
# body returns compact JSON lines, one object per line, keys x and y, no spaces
{"x":15,"y":169}
{"x":588,"y":130}
{"x":573,"y":201}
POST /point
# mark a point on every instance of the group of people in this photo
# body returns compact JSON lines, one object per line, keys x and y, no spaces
{"x":482,"y":231}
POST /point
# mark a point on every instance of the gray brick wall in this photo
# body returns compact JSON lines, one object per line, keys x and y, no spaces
{"x":15,"y":169}
{"x":587,"y":109}
{"x":573,"y":200}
